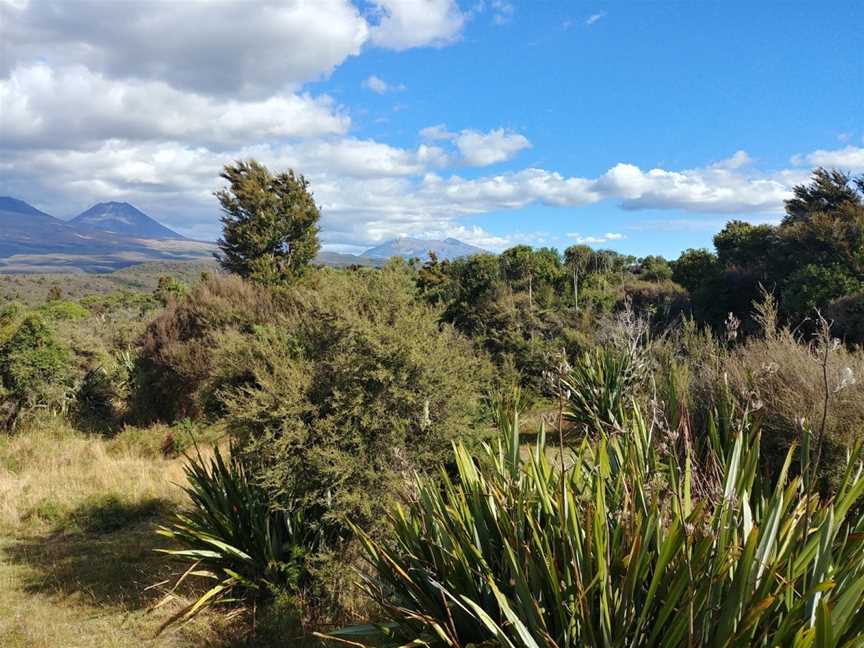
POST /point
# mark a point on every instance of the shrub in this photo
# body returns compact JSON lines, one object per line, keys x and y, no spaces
{"x":847,"y":316}
{"x":356,"y":382}
{"x":63,"y":311}
{"x":350,"y":390}
{"x":35,"y":369}
{"x":627,"y":547}
{"x":600,"y":387}
{"x":792,"y":383}
{"x":177,"y":347}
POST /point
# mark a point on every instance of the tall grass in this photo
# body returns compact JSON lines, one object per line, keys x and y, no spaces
{"x":631,"y":546}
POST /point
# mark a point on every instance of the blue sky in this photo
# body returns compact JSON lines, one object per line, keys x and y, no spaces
{"x":639,"y":126}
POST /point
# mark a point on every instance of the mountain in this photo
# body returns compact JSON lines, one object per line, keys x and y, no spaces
{"x":339,"y":260}
{"x":407,"y":247}
{"x":33,"y":241}
{"x":123,"y":219}
{"x":26,"y":230}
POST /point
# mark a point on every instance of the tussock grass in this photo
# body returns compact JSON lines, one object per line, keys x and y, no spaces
{"x":48,"y":471}
{"x":77,"y":541}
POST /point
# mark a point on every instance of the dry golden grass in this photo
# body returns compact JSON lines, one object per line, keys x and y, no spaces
{"x":77,"y":515}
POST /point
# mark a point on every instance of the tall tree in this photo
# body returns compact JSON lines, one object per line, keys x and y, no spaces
{"x":577,"y":258}
{"x":270,"y":223}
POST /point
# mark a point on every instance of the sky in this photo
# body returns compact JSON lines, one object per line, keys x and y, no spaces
{"x":636,"y":126}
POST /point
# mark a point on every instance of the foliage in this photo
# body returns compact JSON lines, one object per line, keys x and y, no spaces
{"x":270,"y":223}
{"x":815,"y":256}
{"x":601,"y":386}
{"x":353,"y":386}
{"x":234,"y":538}
{"x":59,"y":310}
{"x":35,"y":369}
{"x":625,"y":548}
{"x":178,"y":346}
{"x":169,"y":289}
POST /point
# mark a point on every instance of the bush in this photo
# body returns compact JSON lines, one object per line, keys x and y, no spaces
{"x":356,"y":381}
{"x":847,"y":316}
{"x":350,"y":390}
{"x":63,"y":311}
{"x":177,"y":347}
{"x":35,"y":369}
{"x":792,"y":383}
{"x":626,"y":547}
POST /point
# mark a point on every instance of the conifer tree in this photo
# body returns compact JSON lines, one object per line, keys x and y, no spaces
{"x":270,"y":223}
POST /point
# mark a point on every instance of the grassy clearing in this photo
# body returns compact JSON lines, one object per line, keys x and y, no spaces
{"x":77,"y":515}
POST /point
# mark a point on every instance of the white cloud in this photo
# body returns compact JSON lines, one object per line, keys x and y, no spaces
{"x":206,"y":47}
{"x":74,"y":106}
{"x":595,"y":240}
{"x":437,"y":132}
{"x":593,"y":18}
{"x":404,"y":24}
{"x":849,"y":158}
{"x":380,"y":86}
{"x":502,"y":11}
{"x":735,"y":161}
{"x":710,"y":189}
{"x":483,"y":149}
{"x":477,"y":148}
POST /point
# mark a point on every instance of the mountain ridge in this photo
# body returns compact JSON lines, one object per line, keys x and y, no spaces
{"x":33,"y":241}
{"x":409,"y":247}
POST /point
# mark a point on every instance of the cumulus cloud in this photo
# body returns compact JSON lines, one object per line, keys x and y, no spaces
{"x":74,"y":106}
{"x":710,"y":189}
{"x":403,"y":24}
{"x":206,"y":47}
{"x":477,"y":148}
{"x":482,"y":149}
{"x":849,"y":158}
{"x":593,"y":18}
{"x":502,"y":11}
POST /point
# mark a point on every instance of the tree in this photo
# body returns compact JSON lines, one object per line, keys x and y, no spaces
{"x":655,"y":268}
{"x":577,"y":258}
{"x":517,"y":266}
{"x":695,"y":268}
{"x":270,"y":223}
{"x":828,"y":191}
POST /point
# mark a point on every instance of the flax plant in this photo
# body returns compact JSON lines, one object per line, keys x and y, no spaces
{"x":617,"y":550}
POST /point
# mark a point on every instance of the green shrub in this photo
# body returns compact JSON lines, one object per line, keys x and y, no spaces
{"x":57,"y":310}
{"x":354,"y":385}
{"x":625,"y":548}
{"x":847,"y":316}
{"x":601,"y":386}
{"x":35,"y":369}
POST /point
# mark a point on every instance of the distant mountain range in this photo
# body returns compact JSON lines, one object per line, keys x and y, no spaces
{"x":408,"y":248}
{"x":113,"y":235}
{"x":106,"y":237}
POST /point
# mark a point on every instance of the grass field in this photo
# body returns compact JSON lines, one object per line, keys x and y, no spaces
{"x":77,"y":515}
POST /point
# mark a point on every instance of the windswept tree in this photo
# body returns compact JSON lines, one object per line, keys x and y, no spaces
{"x":270,"y":223}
